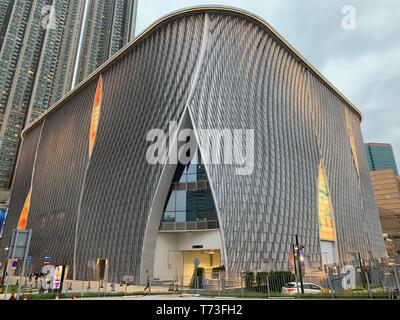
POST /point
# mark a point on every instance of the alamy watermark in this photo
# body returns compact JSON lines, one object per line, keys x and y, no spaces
{"x":218,"y":146}
{"x":349,"y":20}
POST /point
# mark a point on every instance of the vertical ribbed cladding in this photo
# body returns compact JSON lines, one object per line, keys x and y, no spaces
{"x":21,"y":186}
{"x":145,"y":89}
{"x":373,"y":227}
{"x":350,"y":213}
{"x":59,"y":171}
{"x":250,"y":82}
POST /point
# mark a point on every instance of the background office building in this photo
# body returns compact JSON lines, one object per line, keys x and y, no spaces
{"x":46,"y":48}
{"x":380,"y":156}
{"x":387,"y":193}
{"x":386,"y":185}
{"x":96,"y":203}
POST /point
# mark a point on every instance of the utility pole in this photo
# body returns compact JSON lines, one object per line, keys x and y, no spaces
{"x":299,"y":264}
{"x":363,"y":276}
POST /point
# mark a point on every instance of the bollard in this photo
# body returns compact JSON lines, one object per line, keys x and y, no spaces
{"x":25,"y":296}
{"x":57,"y":297}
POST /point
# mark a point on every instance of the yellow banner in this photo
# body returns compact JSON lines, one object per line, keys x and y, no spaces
{"x":24,"y":213}
{"x":352,"y":140}
{"x":94,"y":121}
{"x":326,"y":226}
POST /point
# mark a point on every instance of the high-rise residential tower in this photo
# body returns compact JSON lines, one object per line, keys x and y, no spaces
{"x":380,"y":157}
{"x":46,"y":48}
{"x":5,"y":12}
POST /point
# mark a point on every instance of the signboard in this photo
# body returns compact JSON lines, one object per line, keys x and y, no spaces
{"x":14,"y":264}
{"x":46,"y":260}
{"x":349,"y":277}
{"x":302,"y":262}
{"x":3,"y":214}
{"x":57,"y":278}
{"x":94,"y":121}
{"x":325,"y":211}
{"x":24,"y":213}
{"x":352,"y":140}
{"x":19,"y":243}
{"x":28,"y":260}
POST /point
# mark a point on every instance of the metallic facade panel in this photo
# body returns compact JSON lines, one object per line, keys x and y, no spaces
{"x":22,"y":183}
{"x":227,"y":72}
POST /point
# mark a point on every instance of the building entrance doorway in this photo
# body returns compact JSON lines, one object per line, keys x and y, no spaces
{"x":100,"y":269}
{"x":208,"y":259}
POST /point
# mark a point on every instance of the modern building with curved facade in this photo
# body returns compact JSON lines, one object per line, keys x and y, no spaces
{"x":85,"y":185}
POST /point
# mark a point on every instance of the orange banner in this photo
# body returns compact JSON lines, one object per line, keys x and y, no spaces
{"x":94,"y":122}
{"x":24,"y":213}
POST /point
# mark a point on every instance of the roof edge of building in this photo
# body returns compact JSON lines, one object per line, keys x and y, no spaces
{"x":378,"y":144}
{"x":183,"y":12}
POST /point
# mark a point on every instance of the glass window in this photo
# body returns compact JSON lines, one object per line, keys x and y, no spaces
{"x":171,"y":201}
{"x":189,"y":198}
{"x":169,"y":217}
{"x":191,"y":169}
{"x":180,"y":200}
{"x":180,"y":216}
{"x":191,"y":216}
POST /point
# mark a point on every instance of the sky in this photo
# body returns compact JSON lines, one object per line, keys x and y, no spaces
{"x":362,"y":60}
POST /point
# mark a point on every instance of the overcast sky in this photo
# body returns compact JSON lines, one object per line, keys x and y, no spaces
{"x":363,"y":63}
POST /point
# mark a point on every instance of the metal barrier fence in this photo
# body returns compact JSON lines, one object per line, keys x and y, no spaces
{"x":374,"y":282}
{"x":377,"y":282}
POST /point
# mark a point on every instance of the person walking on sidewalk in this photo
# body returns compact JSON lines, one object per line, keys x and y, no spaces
{"x":147,"y":287}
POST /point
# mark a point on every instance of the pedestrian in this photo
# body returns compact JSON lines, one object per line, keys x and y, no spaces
{"x":41,"y":289}
{"x":147,"y":287}
{"x":30,"y":277}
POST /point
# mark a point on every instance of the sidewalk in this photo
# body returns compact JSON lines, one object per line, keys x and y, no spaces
{"x":77,"y":286}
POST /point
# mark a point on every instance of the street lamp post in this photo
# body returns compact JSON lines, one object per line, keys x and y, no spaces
{"x":297,"y":248}
{"x":295,"y":268}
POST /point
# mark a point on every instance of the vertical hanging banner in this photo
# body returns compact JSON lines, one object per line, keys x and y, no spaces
{"x":352,"y":140}
{"x":3,"y":215}
{"x":325,"y":211}
{"x":94,"y":121}
{"x":25,"y":211}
